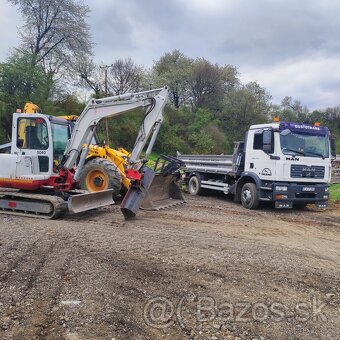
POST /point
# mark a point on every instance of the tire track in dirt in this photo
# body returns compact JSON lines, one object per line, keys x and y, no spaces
{"x":49,"y":326}
{"x":24,"y":272}
{"x":119,"y":276}
{"x":5,"y":276}
{"x":8,"y":250}
{"x":114,"y":267}
{"x":38,"y":318}
{"x":38,"y":267}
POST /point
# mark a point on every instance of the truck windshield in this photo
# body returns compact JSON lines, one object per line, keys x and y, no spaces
{"x":304,"y":145}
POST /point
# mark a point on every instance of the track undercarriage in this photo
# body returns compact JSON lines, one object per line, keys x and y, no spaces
{"x":51,"y":205}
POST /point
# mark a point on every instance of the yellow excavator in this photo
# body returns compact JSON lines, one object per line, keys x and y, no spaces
{"x":104,"y":167}
{"x":107,"y":168}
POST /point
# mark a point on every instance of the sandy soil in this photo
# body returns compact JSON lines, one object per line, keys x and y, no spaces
{"x":205,"y":270}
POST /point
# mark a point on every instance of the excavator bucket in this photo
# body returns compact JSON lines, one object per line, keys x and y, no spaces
{"x":87,"y":201}
{"x":158,"y":190}
{"x":164,"y":192}
{"x":135,"y":195}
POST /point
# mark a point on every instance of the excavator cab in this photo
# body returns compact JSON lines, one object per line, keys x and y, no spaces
{"x":30,"y":162}
{"x":32,"y":134}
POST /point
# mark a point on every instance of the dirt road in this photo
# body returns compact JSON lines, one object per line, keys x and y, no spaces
{"x":206,"y":270}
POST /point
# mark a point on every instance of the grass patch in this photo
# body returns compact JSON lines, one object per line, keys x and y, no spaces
{"x":151,"y":159}
{"x":334,"y":191}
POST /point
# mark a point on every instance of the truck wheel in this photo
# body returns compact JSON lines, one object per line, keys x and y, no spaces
{"x":249,"y":196}
{"x":100,"y":174}
{"x":194,"y":185}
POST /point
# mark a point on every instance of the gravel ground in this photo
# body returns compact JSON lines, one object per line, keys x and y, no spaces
{"x":205,"y":270}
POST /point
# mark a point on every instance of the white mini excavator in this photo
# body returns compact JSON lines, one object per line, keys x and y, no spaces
{"x":33,"y":184}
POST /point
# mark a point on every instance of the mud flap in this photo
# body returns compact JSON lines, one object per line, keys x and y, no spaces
{"x":88,"y":201}
{"x":134,"y":197}
{"x":164,"y":192}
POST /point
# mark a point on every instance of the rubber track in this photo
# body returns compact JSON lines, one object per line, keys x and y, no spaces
{"x":59,"y":206}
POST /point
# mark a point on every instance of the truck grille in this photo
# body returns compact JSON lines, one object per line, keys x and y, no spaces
{"x":304,"y":195}
{"x":304,"y":171}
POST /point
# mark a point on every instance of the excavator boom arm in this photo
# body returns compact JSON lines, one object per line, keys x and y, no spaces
{"x":98,"y":109}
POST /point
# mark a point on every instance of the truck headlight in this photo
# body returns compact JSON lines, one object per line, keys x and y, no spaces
{"x":281,"y":188}
{"x":327,"y":189}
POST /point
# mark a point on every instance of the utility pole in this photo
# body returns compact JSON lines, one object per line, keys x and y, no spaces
{"x":106,"y":67}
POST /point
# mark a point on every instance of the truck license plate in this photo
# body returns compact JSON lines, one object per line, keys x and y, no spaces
{"x":308,"y":189}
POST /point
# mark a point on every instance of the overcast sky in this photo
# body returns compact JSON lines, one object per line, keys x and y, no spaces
{"x":291,"y":47}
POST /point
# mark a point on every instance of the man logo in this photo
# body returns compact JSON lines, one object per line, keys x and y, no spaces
{"x":308,"y":169}
{"x":292,"y":158}
{"x":266,"y":172}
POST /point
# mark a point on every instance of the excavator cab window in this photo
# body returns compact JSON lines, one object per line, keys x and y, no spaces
{"x":32,"y":134}
{"x":61,"y":135}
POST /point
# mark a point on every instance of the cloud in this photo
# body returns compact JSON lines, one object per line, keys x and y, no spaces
{"x":8,"y":29}
{"x":315,"y":81}
{"x":291,"y":47}
{"x":206,"y":7}
{"x":142,"y":31}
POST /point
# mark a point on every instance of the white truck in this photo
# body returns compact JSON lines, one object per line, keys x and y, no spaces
{"x":285,"y":163}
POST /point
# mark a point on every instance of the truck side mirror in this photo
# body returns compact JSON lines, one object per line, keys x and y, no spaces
{"x":333,"y":146}
{"x":268,"y":141}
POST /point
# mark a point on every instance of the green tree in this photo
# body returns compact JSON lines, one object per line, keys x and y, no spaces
{"x":68,"y":104}
{"x":173,"y":134}
{"x":293,"y":110}
{"x":209,"y":83}
{"x":54,"y":32}
{"x":54,"y":35}
{"x":332,"y":118}
{"x":124,"y":76}
{"x":204,"y":133}
{"x":190,"y":132}
{"x":124,"y":129}
{"x":262,"y":98}
{"x":19,"y":83}
{"x":173,"y":69}
{"x":243,"y":107}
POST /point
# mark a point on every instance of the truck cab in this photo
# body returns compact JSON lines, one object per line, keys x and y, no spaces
{"x":290,"y":163}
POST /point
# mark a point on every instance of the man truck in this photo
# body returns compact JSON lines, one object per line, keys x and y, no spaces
{"x":288,"y":164}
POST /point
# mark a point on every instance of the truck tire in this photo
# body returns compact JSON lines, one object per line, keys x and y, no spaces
{"x":194,"y":185}
{"x":249,"y":196}
{"x":100,"y":174}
